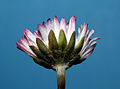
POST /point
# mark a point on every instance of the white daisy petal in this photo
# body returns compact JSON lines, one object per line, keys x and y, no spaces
{"x":44,"y":32}
{"x":71,"y":27}
{"x":25,"y":49}
{"x":89,"y":49}
{"x":63,"y":25}
{"x":56,"y":27}
{"x":29,"y":35}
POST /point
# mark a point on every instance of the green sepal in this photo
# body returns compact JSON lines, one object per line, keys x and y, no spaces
{"x":42,"y":47}
{"x":70,"y":47}
{"x":36,"y":51}
{"x":42,"y":62}
{"x":62,"y":40}
{"x":53,"y":45}
{"x":36,"y":60}
{"x":79,"y":46}
{"x":71,"y":43}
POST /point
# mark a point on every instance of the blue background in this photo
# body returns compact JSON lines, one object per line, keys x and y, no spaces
{"x":99,"y":71}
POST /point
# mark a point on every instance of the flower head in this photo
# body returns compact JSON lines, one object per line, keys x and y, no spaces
{"x":56,"y":43}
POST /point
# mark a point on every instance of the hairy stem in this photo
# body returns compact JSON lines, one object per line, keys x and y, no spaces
{"x":60,"y":77}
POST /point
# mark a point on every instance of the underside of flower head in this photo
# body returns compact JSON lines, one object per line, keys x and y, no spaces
{"x":56,"y":43}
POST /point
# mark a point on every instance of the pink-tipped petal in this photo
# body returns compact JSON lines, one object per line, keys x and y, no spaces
{"x":44,"y":32}
{"x":67,"y":26}
{"x":56,"y":23}
{"x":23,"y":41}
{"x":63,"y":24}
{"x":38,"y":25}
{"x":96,"y":38}
{"x":43,"y":23}
{"x":49,"y":25}
{"x":83,"y":31}
{"x":87,"y":33}
{"x":28,"y":34}
{"x":24,"y":49}
{"x":71,"y":27}
{"x":48,"y":21}
{"x":90,"y":34}
{"x":87,"y":39}
{"x":89,"y":50}
{"x":36,"y":33}
{"x":89,"y":54}
{"x":56,"y":27}
{"x":93,"y":44}
{"x":72,"y":24}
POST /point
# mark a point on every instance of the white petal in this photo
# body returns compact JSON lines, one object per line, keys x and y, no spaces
{"x":29,"y":35}
{"x":38,"y":34}
{"x":44,"y":32}
{"x":56,"y":27}
{"x":89,"y":54}
{"x":24,"y":42}
{"x":89,"y":50}
{"x":25,"y":49}
{"x":83,"y":32}
{"x":85,"y":45}
{"x":63,"y":25}
{"x":96,"y":38}
{"x":71,"y":28}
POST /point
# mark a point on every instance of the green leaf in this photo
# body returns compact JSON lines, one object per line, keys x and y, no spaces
{"x":62,"y":40}
{"x":53,"y":45}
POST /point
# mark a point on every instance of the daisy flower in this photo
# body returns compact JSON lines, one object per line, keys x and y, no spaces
{"x":56,"y":45}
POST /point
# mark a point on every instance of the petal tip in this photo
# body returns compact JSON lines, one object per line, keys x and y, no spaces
{"x":38,"y":25}
{"x":48,"y":20}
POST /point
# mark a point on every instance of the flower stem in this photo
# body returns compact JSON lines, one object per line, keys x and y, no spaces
{"x":60,"y":77}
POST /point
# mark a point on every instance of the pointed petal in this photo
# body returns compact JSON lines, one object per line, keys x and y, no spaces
{"x":93,"y":44}
{"x":90,"y":34}
{"x":63,"y":25}
{"x":83,"y":32}
{"x":89,"y":49}
{"x":49,"y":25}
{"x":28,"y":34}
{"x":85,"y":45}
{"x":71,"y":27}
{"x":56,"y":27}
{"x":96,"y":38}
{"x":24,"y":42}
{"x":44,"y":32}
{"x":48,"y":21}
{"x":37,"y":34}
{"x":24,"y":49}
{"x":56,"y":23}
{"x":89,"y":54}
